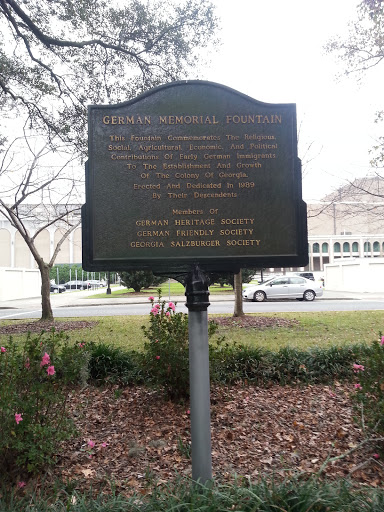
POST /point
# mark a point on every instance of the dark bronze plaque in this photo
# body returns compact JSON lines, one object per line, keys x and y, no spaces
{"x":193,"y":172}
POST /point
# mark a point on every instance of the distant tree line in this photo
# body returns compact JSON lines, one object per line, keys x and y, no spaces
{"x":141,"y":279}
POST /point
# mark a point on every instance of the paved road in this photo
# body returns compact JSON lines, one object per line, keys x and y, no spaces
{"x":75,"y":304}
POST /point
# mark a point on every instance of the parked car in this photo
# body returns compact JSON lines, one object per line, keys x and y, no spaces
{"x":307,"y":275}
{"x":284,"y":287}
{"x":76,"y":285}
{"x":94,"y":283}
{"x":57,"y":288}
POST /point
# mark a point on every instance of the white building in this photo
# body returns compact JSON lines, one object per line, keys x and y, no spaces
{"x":14,"y":252}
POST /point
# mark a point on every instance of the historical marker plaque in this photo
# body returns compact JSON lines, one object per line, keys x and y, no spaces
{"x":193,"y":172}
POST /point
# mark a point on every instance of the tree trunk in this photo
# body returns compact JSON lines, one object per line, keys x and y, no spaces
{"x":238,"y":295}
{"x":46,"y":308}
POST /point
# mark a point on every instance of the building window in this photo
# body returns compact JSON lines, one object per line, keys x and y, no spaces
{"x":376,"y":247}
{"x":367,"y":246}
{"x":316,"y":248}
{"x":324,"y":248}
{"x":336,"y":247}
{"x":346,"y":247}
{"x":355,"y":247}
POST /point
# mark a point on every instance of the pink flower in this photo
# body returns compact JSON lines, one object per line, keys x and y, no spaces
{"x":45,"y":360}
{"x":157,"y":306}
{"x":381,"y":342}
{"x":358,"y":386}
{"x":376,"y":455}
{"x":82,"y":344}
{"x":104,"y":445}
{"x":3,"y":349}
{"x":358,"y":368}
{"x":156,"y":341}
{"x":157,"y":357}
{"x":154,"y":311}
{"x":167,"y":313}
{"x":151,"y":298}
{"x":172,"y":306}
{"x":51,"y":370}
{"x":91,"y":444}
{"x":18,"y":418}
{"x":27,"y":364}
{"x":20,"y":485}
{"x":188,"y":411}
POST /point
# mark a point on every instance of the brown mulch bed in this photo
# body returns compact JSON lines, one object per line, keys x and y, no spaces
{"x":37,"y":327}
{"x":246,"y":321}
{"x":255,"y":322}
{"x":255,"y":432}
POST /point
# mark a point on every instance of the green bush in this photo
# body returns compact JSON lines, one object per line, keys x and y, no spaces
{"x":323,"y":365}
{"x":35,"y":377}
{"x":138,"y":279}
{"x":369,"y":385}
{"x":113,"y":365}
{"x":319,"y":365}
{"x":165,"y":361}
{"x":285,"y":366}
{"x":232,"y":363}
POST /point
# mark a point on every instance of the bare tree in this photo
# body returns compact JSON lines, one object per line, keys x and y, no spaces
{"x":38,"y":191}
{"x":360,"y":201}
{"x":362,"y":50}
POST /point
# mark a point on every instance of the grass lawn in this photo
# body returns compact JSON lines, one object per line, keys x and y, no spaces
{"x":173,"y":288}
{"x":322,"y":329}
{"x":308,"y":330}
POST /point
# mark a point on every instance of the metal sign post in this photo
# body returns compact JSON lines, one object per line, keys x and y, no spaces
{"x":197,"y":294}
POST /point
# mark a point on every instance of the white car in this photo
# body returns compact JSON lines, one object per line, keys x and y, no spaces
{"x":94,"y":283}
{"x":284,"y":287}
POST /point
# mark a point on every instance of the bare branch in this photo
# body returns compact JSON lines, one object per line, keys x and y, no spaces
{"x":61,"y":241}
{"x":330,"y":460}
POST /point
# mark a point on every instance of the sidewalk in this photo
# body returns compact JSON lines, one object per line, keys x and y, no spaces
{"x":79,"y":298}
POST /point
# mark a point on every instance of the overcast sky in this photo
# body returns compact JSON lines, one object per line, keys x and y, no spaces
{"x":273,"y":51}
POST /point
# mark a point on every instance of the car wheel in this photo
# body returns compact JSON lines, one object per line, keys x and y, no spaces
{"x":309,"y":295}
{"x":55,"y":290}
{"x":259,"y":296}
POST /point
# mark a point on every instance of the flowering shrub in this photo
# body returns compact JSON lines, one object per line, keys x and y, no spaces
{"x":166,"y":356}
{"x":369,"y":388}
{"x":35,"y":375}
{"x":166,"y":351}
